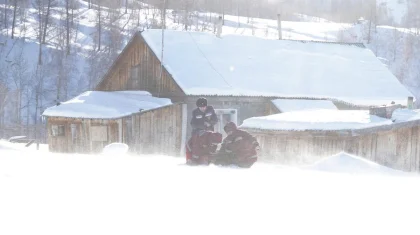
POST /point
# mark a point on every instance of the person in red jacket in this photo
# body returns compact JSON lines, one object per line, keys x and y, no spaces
{"x":238,"y":148}
{"x":202,"y":146}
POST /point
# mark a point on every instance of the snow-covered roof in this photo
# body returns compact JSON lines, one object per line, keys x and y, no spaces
{"x":289,"y":105}
{"x":106,"y":105}
{"x":406,"y":115}
{"x":234,"y":65}
{"x":323,"y":119}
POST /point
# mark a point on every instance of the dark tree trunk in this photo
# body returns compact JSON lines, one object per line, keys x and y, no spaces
{"x":14,"y":18}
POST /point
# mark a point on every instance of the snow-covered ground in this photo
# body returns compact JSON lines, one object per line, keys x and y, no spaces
{"x":45,"y":193}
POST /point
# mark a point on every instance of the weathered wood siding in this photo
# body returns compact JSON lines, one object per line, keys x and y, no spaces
{"x":79,"y":140}
{"x":158,"y":131}
{"x":271,"y":109}
{"x":138,"y":68}
{"x":396,"y":146}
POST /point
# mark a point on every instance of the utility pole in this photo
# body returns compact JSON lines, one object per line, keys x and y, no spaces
{"x":163,"y":16}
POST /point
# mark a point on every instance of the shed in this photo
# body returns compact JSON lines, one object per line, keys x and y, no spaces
{"x":304,"y":137}
{"x":94,"y":119}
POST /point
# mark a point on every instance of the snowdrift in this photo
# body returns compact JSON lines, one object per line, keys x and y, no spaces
{"x":351,"y":164}
{"x":115,"y":149}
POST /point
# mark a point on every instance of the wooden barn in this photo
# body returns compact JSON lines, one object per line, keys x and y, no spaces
{"x":94,"y":119}
{"x":240,"y":75}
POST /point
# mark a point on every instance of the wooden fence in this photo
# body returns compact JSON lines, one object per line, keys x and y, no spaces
{"x":396,"y":145}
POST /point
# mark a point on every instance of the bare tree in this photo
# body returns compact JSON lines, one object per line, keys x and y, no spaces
{"x":372,"y":17}
{"x":413,"y":17}
{"x":113,"y":33}
{"x":39,"y":5}
{"x":6,"y":19}
{"x":23,"y":16}
{"x":99,"y":26}
{"x":61,"y":75}
{"x":39,"y":85}
{"x":395,"y":45}
{"x":47,"y":17}
{"x":19,"y":77}
{"x":14,"y":17}
{"x":74,"y":6}
{"x":3,"y":94}
{"x":138,"y":7}
{"x":68,"y":27}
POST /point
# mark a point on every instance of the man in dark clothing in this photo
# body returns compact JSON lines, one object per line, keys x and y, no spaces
{"x":238,"y":148}
{"x":203,"y":117}
{"x":201,"y":147}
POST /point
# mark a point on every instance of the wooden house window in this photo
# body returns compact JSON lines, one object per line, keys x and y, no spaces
{"x":57,"y":130}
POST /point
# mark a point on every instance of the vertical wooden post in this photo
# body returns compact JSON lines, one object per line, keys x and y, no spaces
{"x":184,"y":129}
{"x":120,"y":130}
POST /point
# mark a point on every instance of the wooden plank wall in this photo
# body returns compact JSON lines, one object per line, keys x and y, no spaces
{"x":82,"y":142}
{"x":158,"y":131}
{"x":398,"y":148}
{"x":122,"y":76}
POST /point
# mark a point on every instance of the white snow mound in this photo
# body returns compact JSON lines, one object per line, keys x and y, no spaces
{"x":351,"y":164}
{"x":115,"y":149}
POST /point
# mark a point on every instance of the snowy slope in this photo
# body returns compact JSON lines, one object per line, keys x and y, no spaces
{"x":50,"y":194}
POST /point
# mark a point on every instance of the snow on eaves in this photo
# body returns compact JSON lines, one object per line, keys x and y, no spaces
{"x":406,"y":115}
{"x":106,"y":105}
{"x":317,"y":120}
{"x":234,"y":65}
{"x":289,"y":105}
